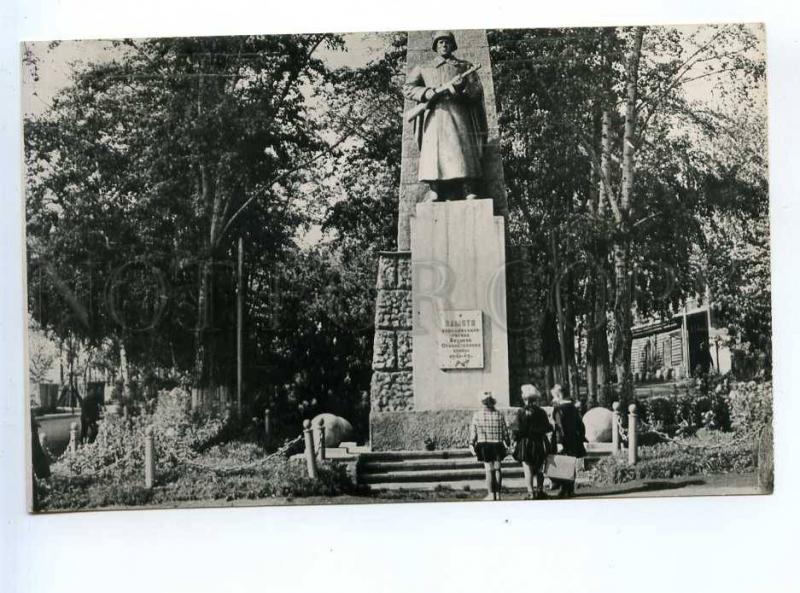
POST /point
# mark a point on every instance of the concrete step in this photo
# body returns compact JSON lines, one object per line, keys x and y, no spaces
{"x":338,"y":453}
{"x":511,"y":484}
{"x":598,"y":449}
{"x":408,"y":473}
{"x":424,"y":464}
{"x":427,"y":469}
{"x":406,"y":455}
{"x":592,"y":450}
{"x":354,"y":448}
{"x":359,"y":450}
{"x":433,"y":475}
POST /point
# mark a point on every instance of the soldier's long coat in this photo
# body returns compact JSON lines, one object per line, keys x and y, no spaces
{"x":452,"y":133}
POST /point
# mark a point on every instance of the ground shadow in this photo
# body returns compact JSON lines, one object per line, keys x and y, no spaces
{"x":648,"y":486}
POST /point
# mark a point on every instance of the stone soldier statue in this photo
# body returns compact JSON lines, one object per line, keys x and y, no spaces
{"x":451,"y":131}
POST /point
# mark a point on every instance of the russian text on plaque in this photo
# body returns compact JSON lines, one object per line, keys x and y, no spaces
{"x":460,"y":340}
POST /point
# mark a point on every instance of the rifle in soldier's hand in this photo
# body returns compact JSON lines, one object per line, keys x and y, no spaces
{"x":456,"y":80}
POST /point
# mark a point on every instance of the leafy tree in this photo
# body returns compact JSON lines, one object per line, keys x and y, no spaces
{"x":366,"y":177}
{"x":609,"y":158}
{"x":146,"y":169}
{"x":313,"y":328}
{"x":42,"y":354}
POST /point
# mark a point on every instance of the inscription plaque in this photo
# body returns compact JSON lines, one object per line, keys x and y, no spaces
{"x":460,"y":339}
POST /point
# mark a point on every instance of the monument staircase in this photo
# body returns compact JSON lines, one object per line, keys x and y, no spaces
{"x":453,"y":468}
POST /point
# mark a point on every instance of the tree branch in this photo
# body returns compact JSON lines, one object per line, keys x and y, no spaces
{"x":713,"y":73}
{"x":330,"y":148}
{"x":685,"y":66}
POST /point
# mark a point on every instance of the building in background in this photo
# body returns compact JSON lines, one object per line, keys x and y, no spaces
{"x":671,"y":348}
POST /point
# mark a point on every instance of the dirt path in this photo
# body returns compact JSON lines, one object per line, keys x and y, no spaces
{"x":717,"y":485}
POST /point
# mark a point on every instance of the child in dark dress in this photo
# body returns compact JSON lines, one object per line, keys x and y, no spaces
{"x":531,"y":444}
{"x":569,"y":432}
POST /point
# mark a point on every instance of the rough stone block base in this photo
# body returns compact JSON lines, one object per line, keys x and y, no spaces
{"x":408,"y":430}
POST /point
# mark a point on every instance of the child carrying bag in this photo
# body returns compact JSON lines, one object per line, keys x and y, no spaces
{"x":560,"y":467}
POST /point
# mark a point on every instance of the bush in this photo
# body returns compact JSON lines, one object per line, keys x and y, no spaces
{"x":280,"y":477}
{"x":223,"y":472}
{"x":194,"y":461}
{"x":714,"y":402}
{"x":716,"y":454}
{"x":118,"y":449}
{"x":751,"y":406}
{"x":765,"y":460}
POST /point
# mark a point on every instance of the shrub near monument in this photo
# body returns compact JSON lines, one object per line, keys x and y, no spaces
{"x":742,"y":444}
{"x":195,"y":461}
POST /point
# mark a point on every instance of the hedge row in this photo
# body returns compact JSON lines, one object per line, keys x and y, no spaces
{"x":696,"y":456}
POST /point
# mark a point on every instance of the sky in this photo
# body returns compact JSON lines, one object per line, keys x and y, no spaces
{"x":56,"y":65}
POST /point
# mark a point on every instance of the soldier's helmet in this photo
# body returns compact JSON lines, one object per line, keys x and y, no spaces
{"x":444,"y":34}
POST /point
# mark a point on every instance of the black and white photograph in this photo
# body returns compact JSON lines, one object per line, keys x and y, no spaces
{"x":452,"y":265}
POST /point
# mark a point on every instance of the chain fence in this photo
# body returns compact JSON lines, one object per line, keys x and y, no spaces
{"x":680,"y":442}
{"x":283,"y":451}
{"x":644,"y":426}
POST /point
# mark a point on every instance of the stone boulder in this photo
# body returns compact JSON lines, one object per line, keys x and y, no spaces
{"x":598,"y":423}
{"x":337,"y":429}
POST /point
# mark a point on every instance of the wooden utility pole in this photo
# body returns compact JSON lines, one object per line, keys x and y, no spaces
{"x":239,"y":324}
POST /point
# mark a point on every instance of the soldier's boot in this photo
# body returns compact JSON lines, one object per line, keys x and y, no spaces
{"x":433,"y":193}
{"x":470,"y":190}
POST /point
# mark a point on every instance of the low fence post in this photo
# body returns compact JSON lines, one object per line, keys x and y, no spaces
{"x":267,"y":426}
{"x":321,"y":439}
{"x":149,"y":458}
{"x":73,"y":438}
{"x":615,"y":420}
{"x":311,"y":460}
{"x":43,"y":442}
{"x":633,"y":420}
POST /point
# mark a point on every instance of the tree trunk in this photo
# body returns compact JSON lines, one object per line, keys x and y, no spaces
{"x":622,"y":324}
{"x":565,"y":375}
{"x":595,"y":203}
{"x":623,"y":318}
{"x":569,"y":338}
{"x":601,"y":357}
{"x":212,"y":202}
{"x":201,"y":370}
{"x":591,"y":365}
{"x":601,"y":353}
{"x":210,"y":208}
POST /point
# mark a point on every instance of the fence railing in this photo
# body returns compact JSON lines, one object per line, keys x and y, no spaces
{"x":312,"y":454}
{"x":629,"y":434}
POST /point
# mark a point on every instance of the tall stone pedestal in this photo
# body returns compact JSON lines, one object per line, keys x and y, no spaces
{"x":459,"y":305}
{"x":444,"y":340}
